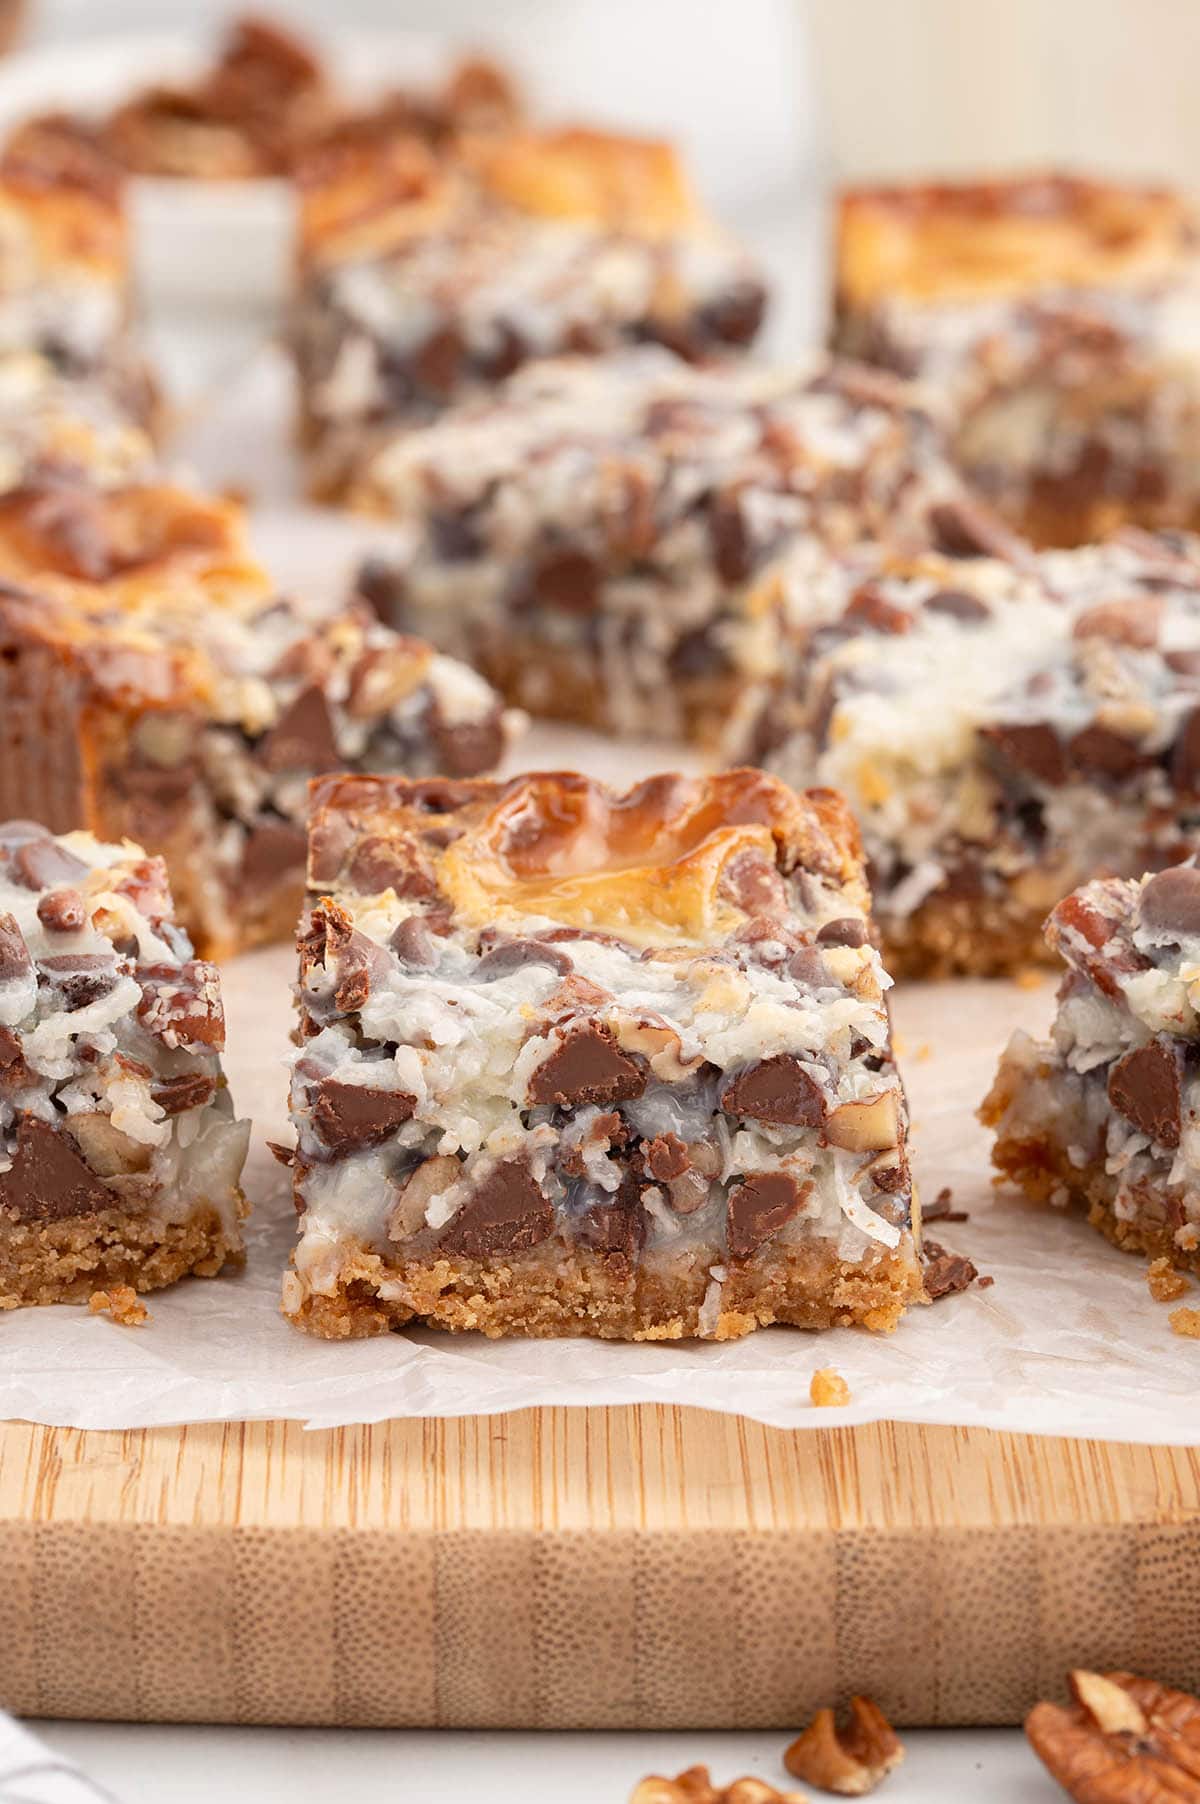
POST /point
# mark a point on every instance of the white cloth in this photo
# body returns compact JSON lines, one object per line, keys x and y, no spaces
{"x":31,"y":1774}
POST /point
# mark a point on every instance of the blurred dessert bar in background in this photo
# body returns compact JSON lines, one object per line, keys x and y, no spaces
{"x":1104,"y":1113}
{"x":425,"y":280}
{"x":186,"y":702}
{"x":119,"y":1152}
{"x":1003,"y":732}
{"x":578,"y":1062}
{"x":617,"y":541}
{"x":1058,"y":321}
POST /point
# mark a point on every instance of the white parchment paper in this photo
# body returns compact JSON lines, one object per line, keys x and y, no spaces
{"x":1066,"y":1341}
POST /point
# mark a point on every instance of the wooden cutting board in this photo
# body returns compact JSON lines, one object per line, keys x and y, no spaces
{"x":649,"y":1567}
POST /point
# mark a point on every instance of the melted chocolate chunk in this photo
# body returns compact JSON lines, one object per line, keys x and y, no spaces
{"x":273,"y":849}
{"x":302,"y":738}
{"x":1034,"y":749}
{"x":776,"y":1090}
{"x":587,"y":1066}
{"x":62,"y":911}
{"x":1099,"y":752}
{"x":959,"y":605}
{"x":1146,"y":1086}
{"x":381,"y":863}
{"x":512,"y":955}
{"x":39,"y":863}
{"x":945,"y":1272}
{"x":465,"y":747}
{"x":754,"y":884}
{"x":190,"y":1090}
{"x":507,"y":1213}
{"x":183,"y":1003}
{"x":412,"y":943}
{"x":48,"y":1179}
{"x":14,"y":953}
{"x":566,"y":579}
{"x":667,"y":1157}
{"x":850,"y":930}
{"x":732,"y":553}
{"x":1185,"y":757}
{"x":759,"y":1207}
{"x":869,"y":608}
{"x":81,"y":977}
{"x":1170,"y":903}
{"x":969,"y":528}
{"x":351,"y":1116}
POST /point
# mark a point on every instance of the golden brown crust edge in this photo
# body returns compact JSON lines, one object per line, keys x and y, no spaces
{"x":65,"y":1261}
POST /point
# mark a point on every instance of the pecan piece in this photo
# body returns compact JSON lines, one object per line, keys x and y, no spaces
{"x":696,"y":1787}
{"x":850,"y":1761}
{"x":1123,"y":1740}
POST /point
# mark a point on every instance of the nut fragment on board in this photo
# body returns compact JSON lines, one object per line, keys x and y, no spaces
{"x":1123,"y":1740}
{"x":696,"y":1787}
{"x":828,"y":1389}
{"x":850,"y":1761}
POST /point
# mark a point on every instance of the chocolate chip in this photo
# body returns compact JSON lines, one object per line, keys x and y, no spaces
{"x":513,"y":955}
{"x":587,"y":1066}
{"x":1146,"y":1087}
{"x":869,"y":608}
{"x":848,"y":930}
{"x":1134,"y":622}
{"x":454,"y":537}
{"x":1170,"y":903}
{"x":273,"y":849}
{"x":329,"y":839}
{"x":465,"y":748}
{"x":1099,"y":752}
{"x":777,"y":1090}
{"x":506,"y":1213}
{"x":80,"y":977}
{"x":730,"y":541}
{"x":567,"y":579}
{"x":62,"y":911}
{"x":1185,"y":757}
{"x":959,"y":605}
{"x":190,"y":1090}
{"x":351,"y":1116}
{"x":48,"y":1180}
{"x":753,"y":883}
{"x":946,"y":1273}
{"x":616,"y":1228}
{"x":381,"y":862}
{"x":1183,"y":663}
{"x":759,"y":1207}
{"x":437,"y":364}
{"x":39,"y":863}
{"x":1032,"y":748}
{"x":412,"y":943}
{"x":667,"y":1157}
{"x":15,"y":962}
{"x":302,"y":738}
{"x":968,"y":528}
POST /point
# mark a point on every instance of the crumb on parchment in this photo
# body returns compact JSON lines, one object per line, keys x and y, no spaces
{"x":1166,"y":1285}
{"x":828,"y":1389}
{"x":121,"y":1303}
{"x":1185,"y":1322}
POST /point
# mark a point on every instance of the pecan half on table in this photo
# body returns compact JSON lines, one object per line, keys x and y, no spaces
{"x":1124,"y":1740}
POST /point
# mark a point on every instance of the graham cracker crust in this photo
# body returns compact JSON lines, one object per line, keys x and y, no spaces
{"x":65,"y":1261}
{"x":960,"y":936}
{"x":574,"y":1292}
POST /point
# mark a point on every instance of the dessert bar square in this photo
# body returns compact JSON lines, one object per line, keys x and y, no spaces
{"x":119,"y":1152}
{"x":426,"y":279}
{"x":188,"y":702}
{"x":578,"y":1062}
{"x":1058,"y":321}
{"x":604,"y":537}
{"x":1003,"y":732}
{"x":1104,"y":1113}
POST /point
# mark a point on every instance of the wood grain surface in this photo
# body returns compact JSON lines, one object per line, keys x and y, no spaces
{"x":648,"y":1567}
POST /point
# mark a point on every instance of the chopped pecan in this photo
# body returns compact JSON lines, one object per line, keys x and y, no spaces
{"x":850,"y":1761}
{"x":1123,"y":1740}
{"x":696,"y":1787}
{"x":828,"y":1389}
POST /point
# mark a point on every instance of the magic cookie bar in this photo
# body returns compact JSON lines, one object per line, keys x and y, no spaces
{"x":119,"y":1152}
{"x":1003,"y":732}
{"x":574,"y":1062}
{"x":187,"y":702}
{"x":1105,"y":1112}
{"x":78,"y":428}
{"x":1059,"y":319}
{"x":603,"y":537}
{"x":427,"y":279}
